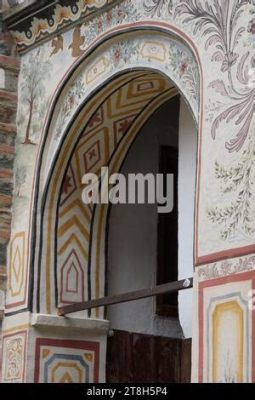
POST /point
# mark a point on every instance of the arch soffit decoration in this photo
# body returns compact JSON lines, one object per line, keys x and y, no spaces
{"x":162,"y":37}
{"x":157,"y":51}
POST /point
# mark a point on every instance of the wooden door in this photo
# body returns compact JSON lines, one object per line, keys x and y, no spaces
{"x":138,"y":358}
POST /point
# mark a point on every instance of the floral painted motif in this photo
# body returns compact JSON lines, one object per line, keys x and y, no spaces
{"x":13,"y":349}
{"x":117,"y":16}
{"x":238,"y":216}
{"x":251,"y":30}
{"x":226,"y":268}
{"x":122,"y":52}
{"x":155,"y":7}
{"x":213,"y":107}
{"x":218,"y":21}
{"x":229,"y":110}
{"x":184,"y":66}
{"x":73,"y":98}
{"x":251,"y":26}
{"x":173,"y":57}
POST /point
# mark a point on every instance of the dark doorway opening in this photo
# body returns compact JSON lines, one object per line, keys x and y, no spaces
{"x":167,"y":252}
{"x":147,"y":343}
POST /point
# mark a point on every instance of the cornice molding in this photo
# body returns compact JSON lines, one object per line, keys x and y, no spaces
{"x":40,"y":21}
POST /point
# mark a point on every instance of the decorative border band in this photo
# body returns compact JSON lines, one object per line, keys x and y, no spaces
{"x":31,"y":25}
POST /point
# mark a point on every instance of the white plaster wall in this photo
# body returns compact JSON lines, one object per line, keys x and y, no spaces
{"x":132,"y":245}
{"x":187,"y":180}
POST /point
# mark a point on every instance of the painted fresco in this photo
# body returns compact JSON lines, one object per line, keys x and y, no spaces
{"x":108,"y":135}
{"x":225,"y":98}
{"x":66,"y":361}
{"x":226,"y":321}
{"x":206,"y":49}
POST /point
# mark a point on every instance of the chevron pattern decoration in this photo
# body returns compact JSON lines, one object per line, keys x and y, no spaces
{"x":100,"y":140}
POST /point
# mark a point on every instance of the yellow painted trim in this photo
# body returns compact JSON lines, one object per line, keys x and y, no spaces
{"x":80,"y":205}
{"x":73,"y":238}
{"x":73,"y":221}
{"x":234,"y":308}
{"x":11,"y":271}
{"x":65,"y":364}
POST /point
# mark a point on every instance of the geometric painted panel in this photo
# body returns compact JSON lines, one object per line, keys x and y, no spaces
{"x":98,"y":143}
{"x":69,"y":185}
{"x":72,"y":280}
{"x":120,"y":127}
{"x":92,"y":156}
{"x":228,"y":320}
{"x":16,"y":272}
{"x":66,"y":361}
{"x":225,"y":329}
{"x":14,"y":351}
{"x":96,"y":120}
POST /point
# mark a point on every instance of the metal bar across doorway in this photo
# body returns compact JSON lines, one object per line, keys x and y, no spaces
{"x":126,"y":297}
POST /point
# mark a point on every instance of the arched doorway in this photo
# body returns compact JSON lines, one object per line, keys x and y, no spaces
{"x":58,"y":247}
{"x":107,"y":140}
{"x":79,"y":95}
{"x":100,"y":128}
{"x":146,"y":248}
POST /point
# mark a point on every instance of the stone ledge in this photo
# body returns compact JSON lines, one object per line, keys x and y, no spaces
{"x":53,"y":322}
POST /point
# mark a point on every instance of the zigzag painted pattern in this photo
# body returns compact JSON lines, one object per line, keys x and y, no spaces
{"x":101,"y":138}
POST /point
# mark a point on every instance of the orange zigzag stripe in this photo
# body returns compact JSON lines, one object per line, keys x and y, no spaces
{"x":69,"y":224}
{"x":73,"y":238}
{"x":86,"y":212}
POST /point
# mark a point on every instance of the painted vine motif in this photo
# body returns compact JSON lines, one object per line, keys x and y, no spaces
{"x":251,"y":26}
{"x":75,"y":94}
{"x":122,"y":52}
{"x":116,"y":16}
{"x":185,"y":69}
{"x":217,"y":21}
{"x":155,"y":7}
{"x":239,"y":214}
{"x":226,"y":267}
{"x":180,"y":62}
